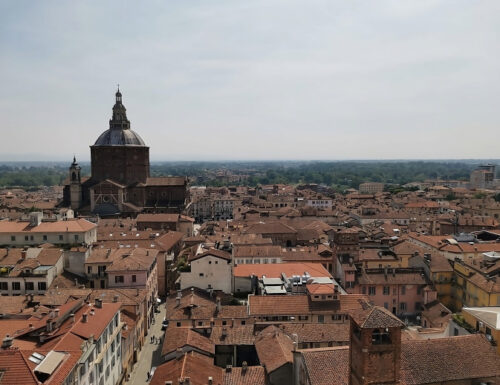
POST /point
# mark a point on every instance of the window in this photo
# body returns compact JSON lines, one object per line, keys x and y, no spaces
{"x":336,"y":317}
{"x":363,"y":290}
{"x":119,"y":279}
{"x":419,"y":290}
{"x":26,"y":238}
{"x":89,"y":269}
{"x":321,"y":319}
{"x":42,"y":286}
{"x":402,"y":306}
{"x":44,"y":237}
{"x":16,"y":285}
{"x":76,"y":237}
{"x":387,"y":290}
{"x":417,"y":306}
{"x":380,"y":336}
{"x":303,"y":317}
{"x":201,"y":274}
{"x":243,"y":322}
{"x":224,"y":323}
{"x":32,"y":238}
{"x":200,"y":323}
{"x":371,"y":290}
{"x":403,"y":290}
{"x":13,"y":238}
{"x":134,"y":278}
{"x":386,"y":305}
{"x":29,"y":286}
{"x":178,"y":324}
{"x":4,"y":286}
{"x":60,"y":237}
{"x":116,"y":321}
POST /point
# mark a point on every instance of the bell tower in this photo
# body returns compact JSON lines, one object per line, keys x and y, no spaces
{"x":375,"y":351}
{"x":75,"y":185}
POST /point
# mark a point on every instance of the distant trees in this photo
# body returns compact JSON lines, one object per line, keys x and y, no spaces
{"x":339,"y":174}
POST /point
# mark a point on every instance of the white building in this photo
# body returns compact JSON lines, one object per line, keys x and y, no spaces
{"x":29,"y":271}
{"x":36,"y":232}
{"x":209,"y":270}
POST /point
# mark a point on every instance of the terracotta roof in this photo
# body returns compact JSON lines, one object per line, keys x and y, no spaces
{"x":314,"y":332}
{"x":169,"y":240}
{"x":252,"y":375}
{"x":274,"y":270}
{"x":271,"y":228}
{"x":70,"y":225}
{"x":236,"y":335}
{"x":176,"y":337}
{"x":157,"y":218}
{"x":374,"y":317}
{"x":274,"y":348}
{"x":14,"y":369}
{"x":96,"y":323}
{"x":448,"y":359}
{"x":320,"y":288}
{"x":213,"y":253}
{"x":196,"y":366}
{"x":327,"y":366}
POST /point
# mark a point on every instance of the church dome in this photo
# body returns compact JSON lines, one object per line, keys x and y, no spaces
{"x":119,"y":137}
{"x":119,"y":133}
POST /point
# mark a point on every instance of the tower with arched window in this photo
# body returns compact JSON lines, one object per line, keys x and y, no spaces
{"x":75,"y":185}
{"x":375,"y":352}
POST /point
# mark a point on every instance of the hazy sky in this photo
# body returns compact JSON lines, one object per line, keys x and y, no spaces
{"x":259,"y":79}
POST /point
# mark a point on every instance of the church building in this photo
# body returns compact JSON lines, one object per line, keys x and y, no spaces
{"x":120,"y":181}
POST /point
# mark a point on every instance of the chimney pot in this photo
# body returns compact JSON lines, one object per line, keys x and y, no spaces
{"x":84,"y":317}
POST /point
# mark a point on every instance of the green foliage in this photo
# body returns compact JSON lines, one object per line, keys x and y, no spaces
{"x":340,"y":175}
{"x":450,"y":197}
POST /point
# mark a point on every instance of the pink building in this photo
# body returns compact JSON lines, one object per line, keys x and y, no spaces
{"x":403,"y":291}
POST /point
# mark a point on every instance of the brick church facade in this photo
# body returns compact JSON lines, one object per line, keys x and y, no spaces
{"x":120,"y":182}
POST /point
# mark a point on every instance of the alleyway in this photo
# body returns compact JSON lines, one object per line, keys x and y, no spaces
{"x":150,"y":354}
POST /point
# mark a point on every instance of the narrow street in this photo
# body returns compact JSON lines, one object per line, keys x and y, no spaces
{"x":151,"y":352}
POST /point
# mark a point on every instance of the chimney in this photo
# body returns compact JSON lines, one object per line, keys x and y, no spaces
{"x":115,"y":298}
{"x":72,"y":315}
{"x":76,"y":281}
{"x":210,"y":380}
{"x":218,"y":305}
{"x":178,"y":298}
{"x":7,"y":342}
{"x":23,"y":254}
{"x":229,"y":368}
{"x":84,"y":317}
{"x":168,"y":382}
{"x":244,"y":367}
{"x":98,"y":303}
{"x":57,"y":311}
{"x":48,"y":325}
{"x":178,"y":353}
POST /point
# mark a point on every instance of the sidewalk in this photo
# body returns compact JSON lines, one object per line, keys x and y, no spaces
{"x":150,"y":354}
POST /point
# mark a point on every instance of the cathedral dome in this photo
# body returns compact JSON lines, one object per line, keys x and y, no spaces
{"x":119,"y":133}
{"x":119,"y":137}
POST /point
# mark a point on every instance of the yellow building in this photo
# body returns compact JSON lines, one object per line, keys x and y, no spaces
{"x":485,"y":320}
{"x":441,"y":274}
{"x":472,"y":288}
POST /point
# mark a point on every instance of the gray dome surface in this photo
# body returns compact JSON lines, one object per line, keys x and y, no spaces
{"x":117,"y":137}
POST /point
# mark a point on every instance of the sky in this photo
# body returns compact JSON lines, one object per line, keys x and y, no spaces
{"x":253,"y":80}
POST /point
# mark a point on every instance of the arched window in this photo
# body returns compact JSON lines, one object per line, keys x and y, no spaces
{"x":73,"y":176}
{"x":381,"y":336}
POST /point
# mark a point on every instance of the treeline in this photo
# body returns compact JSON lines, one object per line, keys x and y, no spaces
{"x":339,"y":174}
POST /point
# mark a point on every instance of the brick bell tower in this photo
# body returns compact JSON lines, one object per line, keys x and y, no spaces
{"x":375,"y":350}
